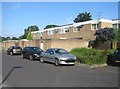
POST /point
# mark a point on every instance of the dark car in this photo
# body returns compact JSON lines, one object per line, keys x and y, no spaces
{"x":14,"y":50}
{"x":31,"y":52}
{"x":114,"y":59}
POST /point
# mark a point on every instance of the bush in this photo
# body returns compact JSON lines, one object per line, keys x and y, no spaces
{"x":91,"y":56}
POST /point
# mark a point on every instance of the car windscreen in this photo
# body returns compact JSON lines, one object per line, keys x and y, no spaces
{"x":36,"y":49}
{"x":17,"y":47}
{"x":61,"y":51}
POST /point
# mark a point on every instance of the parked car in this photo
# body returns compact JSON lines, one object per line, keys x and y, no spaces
{"x":57,"y":56}
{"x":114,"y":59}
{"x":14,"y":50}
{"x":31,"y":52}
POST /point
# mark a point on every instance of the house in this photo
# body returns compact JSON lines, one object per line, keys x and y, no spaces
{"x":83,"y":30}
{"x":69,"y":36}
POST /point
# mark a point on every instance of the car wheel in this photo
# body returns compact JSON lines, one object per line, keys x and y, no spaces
{"x":11,"y":53}
{"x":56,"y":62}
{"x":22,"y":55}
{"x":42,"y":60}
{"x":31,"y":57}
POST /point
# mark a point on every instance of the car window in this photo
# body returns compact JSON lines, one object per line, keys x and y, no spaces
{"x":61,"y":51}
{"x":48,"y":50}
{"x":25,"y":49}
{"x":117,"y":52}
{"x":51,"y":51}
{"x":11,"y":47}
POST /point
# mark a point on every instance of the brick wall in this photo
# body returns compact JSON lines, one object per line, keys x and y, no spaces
{"x":67,"y":44}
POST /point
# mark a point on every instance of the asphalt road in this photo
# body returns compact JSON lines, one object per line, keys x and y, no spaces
{"x":18,"y":72}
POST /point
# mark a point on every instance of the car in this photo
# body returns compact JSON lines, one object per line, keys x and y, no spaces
{"x":114,"y":59}
{"x":14,"y":50}
{"x":57,"y":56}
{"x":31,"y":52}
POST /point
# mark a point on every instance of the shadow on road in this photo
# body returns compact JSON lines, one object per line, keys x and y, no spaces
{"x":10,"y":73}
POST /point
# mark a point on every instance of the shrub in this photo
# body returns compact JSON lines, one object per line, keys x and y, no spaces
{"x":91,"y":56}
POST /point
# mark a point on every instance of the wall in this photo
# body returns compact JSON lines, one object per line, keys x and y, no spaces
{"x":68,"y":44}
{"x":105,"y":25}
{"x":85,"y":32}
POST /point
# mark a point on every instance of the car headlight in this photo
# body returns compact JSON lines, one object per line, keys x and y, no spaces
{"x":75,"y":58}
{"x":63,"y":58}
{"x":36,"y":54}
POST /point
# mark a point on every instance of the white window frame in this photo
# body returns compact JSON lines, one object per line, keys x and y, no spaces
{"x":76,"y":29}
{"x":41,"y":33}
{"x":96,"y":26}
{"x":50,"y":32}
{"x":62,"y":30}
{"x":115,"y":25}
{"x":34,"y":34}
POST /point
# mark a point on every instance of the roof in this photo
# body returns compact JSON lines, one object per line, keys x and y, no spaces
{"x":79,"y":23}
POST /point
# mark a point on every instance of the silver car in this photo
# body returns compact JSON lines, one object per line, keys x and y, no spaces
{"x":57,"y":56}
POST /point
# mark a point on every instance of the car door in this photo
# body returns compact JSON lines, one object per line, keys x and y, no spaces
{"x":8,"y":50}
{"x":28,"y":52}
{"x":117,"y":54}
{"x":24,"y":51}
{"x":52,"y":56}
{"x":46,"y":55}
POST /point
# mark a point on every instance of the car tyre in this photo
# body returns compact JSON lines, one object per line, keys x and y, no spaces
{"x":11,"y":53}
{"x":31,"y":57}
{"x":57,"y":62}
{"x":41,"y":59}
{"x":22,"y":55}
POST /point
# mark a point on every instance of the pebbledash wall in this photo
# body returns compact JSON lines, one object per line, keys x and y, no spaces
{"x":69,"y":36}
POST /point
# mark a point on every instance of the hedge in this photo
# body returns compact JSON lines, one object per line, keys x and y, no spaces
{"x":91,"y":56}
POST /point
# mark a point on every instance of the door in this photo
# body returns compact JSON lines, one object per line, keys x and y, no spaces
{"x":42,"y":45}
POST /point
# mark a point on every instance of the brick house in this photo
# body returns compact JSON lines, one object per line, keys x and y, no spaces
{"x":84,"y":30}
{"x":66,"y":36}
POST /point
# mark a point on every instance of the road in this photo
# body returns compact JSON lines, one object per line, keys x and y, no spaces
{"x":18,"y":72}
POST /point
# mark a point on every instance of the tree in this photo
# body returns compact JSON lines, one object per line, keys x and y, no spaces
{"x":29,"y":36}
{"x":26,"y":31}
{"x":103,"y":35}
{"x":117,"y":32}
{"x":15,"y":38}
{"x":51,"y":26}
{"x":83,"y":17}
{"x":8,"y":38}
{"x":106,"y":34}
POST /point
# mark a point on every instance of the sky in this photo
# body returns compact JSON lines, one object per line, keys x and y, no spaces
{"x":17,"y":16}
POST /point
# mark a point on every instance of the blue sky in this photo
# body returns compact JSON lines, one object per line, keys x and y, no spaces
{"x":16,"y":16}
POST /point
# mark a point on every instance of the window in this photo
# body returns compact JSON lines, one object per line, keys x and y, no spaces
{"x":114,"y":25}
{"x":62,"y":31}
{"x":34,"y":35}
{"x":50,"y":32}
{"x":66,"y":30}
{"x":41,"y":33}
{"x":94,"y":26}
{"x":76,"y":29}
